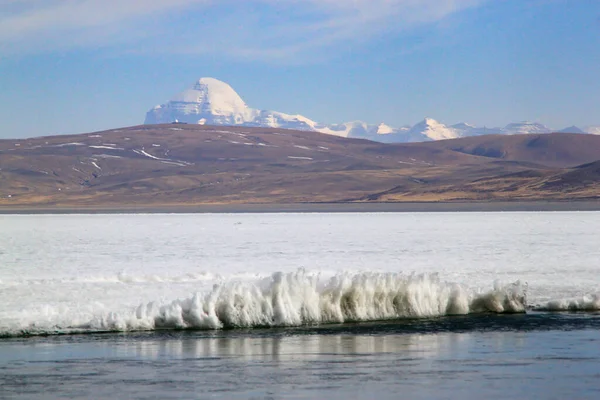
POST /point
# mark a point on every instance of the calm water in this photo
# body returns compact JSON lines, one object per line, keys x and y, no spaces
{"x":300,"y":306}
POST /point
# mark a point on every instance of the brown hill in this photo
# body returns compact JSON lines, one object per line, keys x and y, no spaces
{"x":582,"y":179}
{"x":182,"y":164}
{"x":560,"y":150}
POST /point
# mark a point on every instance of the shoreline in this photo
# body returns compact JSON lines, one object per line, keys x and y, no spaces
{"x":505,"y":206}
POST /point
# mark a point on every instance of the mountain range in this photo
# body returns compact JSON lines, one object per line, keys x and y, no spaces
{"x":213,"y":102}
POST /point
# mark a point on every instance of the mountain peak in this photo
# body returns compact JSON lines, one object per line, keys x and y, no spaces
{"x":572,"y":129}
{"x":525,"y":127}
{"x":211,"y":81}
{"x":463,"y":125}
{"x":430,"y":129}
{"x":384,"y":129}
{"x":212,"y":95}
{"x":430,"y":121}
{"x":213,"y":86}
{"x":210,"y":101}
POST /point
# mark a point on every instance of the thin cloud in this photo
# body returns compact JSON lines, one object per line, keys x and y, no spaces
{"x":253,"y":29}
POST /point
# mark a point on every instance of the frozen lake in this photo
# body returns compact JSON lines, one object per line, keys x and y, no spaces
{"x":358,"y":296}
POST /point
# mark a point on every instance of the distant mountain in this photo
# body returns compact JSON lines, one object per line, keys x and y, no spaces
{"x":572,"y":129}
{"x":430,"y":129}
{"x":470,"y":130}
{"x":594,"y":130}
{"x":212,"y":102}
{"x":519,"y":128}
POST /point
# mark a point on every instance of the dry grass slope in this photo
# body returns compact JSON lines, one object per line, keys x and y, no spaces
{"x":190,"y":165}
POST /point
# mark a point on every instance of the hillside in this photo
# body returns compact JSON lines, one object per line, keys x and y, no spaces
{"x":180,"y":164}
{"x":555,"y":149}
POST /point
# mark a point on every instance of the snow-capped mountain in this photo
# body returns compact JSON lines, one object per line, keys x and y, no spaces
{"x":430,"y":129}
{"x":470,"y":130}
{"x":525,"y":128}
{"x":594,"y":130}
{"x":362,"y":130}
{"x":212,"y":102}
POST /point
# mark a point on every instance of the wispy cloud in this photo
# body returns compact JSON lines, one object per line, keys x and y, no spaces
{"x":254,"y":29}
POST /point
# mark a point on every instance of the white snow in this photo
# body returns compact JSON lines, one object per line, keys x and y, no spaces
{"x":142,"y":152}
{"x":301,"y":147}
{"x":69,"y":144}
{"x":96,"y":165}
{"x":430,"y":129}
{"x":173,"y":162}
{"x":525,"y":128}
{"x":217,"y":96}
{"x":106,"y":147}
{"x":106,"y":156}
{"x":384,"y":129}
{"x":299,"y":158}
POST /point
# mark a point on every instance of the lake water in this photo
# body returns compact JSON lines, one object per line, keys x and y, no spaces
{"x":358,"y":305}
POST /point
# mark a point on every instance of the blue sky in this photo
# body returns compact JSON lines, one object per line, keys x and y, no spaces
{"x":71,"y":66}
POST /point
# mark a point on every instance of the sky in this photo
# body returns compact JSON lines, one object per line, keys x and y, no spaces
{"x":74,"y":66}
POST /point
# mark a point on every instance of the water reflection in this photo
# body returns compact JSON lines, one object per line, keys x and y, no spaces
{"x":297,"y":364}
{"x":288,"y":348}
